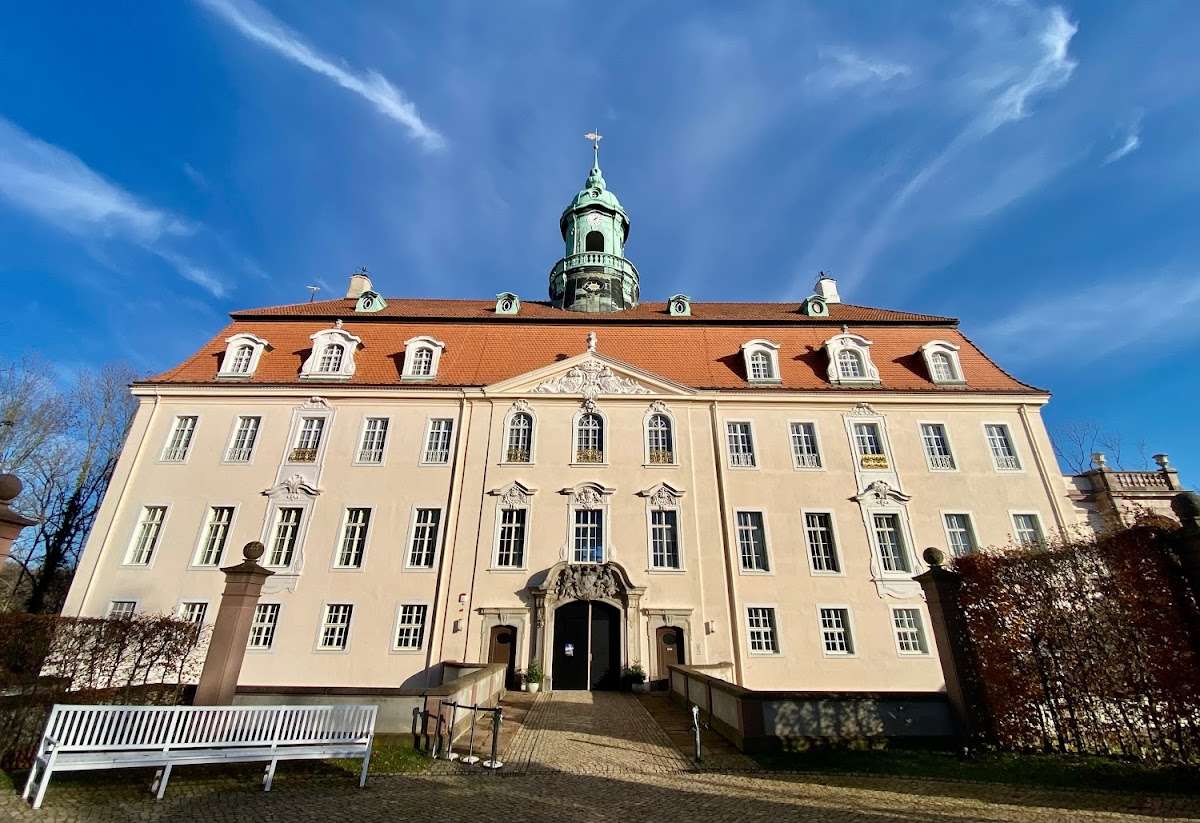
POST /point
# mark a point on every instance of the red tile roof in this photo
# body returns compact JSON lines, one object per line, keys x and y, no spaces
{"x":702,"y":351}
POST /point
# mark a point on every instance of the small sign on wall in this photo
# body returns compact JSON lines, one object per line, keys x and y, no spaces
{"x":569,"y":650}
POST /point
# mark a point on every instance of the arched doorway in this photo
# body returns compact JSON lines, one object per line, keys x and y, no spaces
{"x":669,"y":651}
{"x":502,"y":648}
{"x":587,"y":646}
{"x":594,"y":241}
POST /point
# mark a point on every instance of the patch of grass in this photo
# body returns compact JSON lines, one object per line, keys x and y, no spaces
{"x":1058,"y":771}
{"x":391,"y":754}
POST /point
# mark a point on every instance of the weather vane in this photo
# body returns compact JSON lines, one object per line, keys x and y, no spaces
{"x":312,"y":292}
{"x":595,"y":137}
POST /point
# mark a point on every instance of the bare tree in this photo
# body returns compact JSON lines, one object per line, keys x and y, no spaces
{"x":1076,"y":442}
{"x":33,"y":413}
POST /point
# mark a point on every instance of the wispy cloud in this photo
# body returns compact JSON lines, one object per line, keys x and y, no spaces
{"x":1132,"y":142}
{"x":193,"y":174}
{"x":257,"y":24}
{"x":57,"y":187}
{"x":1049,"y":73}
{"x":845,"y":68}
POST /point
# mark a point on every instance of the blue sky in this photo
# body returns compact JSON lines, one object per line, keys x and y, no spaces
{"x":1032,"y":169}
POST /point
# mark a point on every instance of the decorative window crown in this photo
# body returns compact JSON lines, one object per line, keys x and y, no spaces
{"x":242,"y":353}
{"x":850,"y":360}
{"x":941,"y":360}
{"x":422,"y":356}
{"x":762,"y":361}
{"x":332,"y":356}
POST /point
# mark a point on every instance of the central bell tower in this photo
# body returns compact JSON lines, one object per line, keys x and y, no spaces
{"x":593,"y":275}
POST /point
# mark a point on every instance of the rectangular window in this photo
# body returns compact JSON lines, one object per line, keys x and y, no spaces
{"x":145,"y":539}
{"x":959,"y":534}
{"x":216,"y":534}
{"x":121,"y":609}
{"x":287,"y":533}
{"x":1001,"y":445}
{"x":437,"y":445}
{"x":764,"y":638}
{"x":354,"y":539}
{"x":193,"y":611}
{"x":835,"y":631}
{"x":937,"y":446}
{"x":262,"y":629}
{"x":410,"y":627}
{"x":241,"y":449}
{"x":910,"y":631}
{"x":180,"y":441}
{"x":309,"y":440}
{"x":1027,"y":529}
{"x":804,"y":446}
{"x":425,"y":538}
{"x":510,"y":549}
{"x":741,"y":445}
{"x":890,"y":540}
{"x":335,"y":627}
{"x":822,"y":551}
{"x":373,"y":439}
{"x":589,"y":536}
{"x":664,"y":539}
{"x":752,"y":541}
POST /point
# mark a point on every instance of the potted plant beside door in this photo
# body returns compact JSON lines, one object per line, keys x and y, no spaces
{"x":635,"y":676}
{"x":533,"y":677}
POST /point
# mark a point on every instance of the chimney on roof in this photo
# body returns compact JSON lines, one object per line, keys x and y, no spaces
{"x":359,"y":283}
{"x":826,"y":289}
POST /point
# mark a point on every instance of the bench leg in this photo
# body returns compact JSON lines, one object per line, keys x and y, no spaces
{"x":162,"y":782}
{"x":362,"y":778}
{"x":29,"y":784}
{"x":47,"y":770}
{"x":269,"y":776}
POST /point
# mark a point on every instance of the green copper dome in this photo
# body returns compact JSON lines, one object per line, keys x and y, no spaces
{"x":594,"y":193}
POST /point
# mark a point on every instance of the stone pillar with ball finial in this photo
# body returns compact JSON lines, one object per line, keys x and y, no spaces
{"x":227,"y":645}
{"x":11,"y":523}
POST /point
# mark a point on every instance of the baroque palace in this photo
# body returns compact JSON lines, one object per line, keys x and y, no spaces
{"x":591,"y":481}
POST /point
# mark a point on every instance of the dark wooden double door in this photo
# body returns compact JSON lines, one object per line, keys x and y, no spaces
{"x":587,"y":646}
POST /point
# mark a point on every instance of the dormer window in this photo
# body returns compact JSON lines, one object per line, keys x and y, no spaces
{"x":507,"y":303}
{"x":762,"y":361}
{"x":421,"y":358}
{"x":332,"y":356}
{"x":941,"y":359}
{"x":242,"y":353}
{"x":850,"y":360}
{"x":680,"y":305}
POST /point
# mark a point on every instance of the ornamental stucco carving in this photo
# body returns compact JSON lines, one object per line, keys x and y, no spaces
{"x":587,"y":583}
{"x":587,"y":498}
{"x":515,"y":496}
{"x":879,"y":492}
{"x":591,"y":379}
{"x":657,"y":407}
{"x":520,"y":405}
{"x":292,"y":488}
{"x":863,"y":410}
{"x":662,"y":496}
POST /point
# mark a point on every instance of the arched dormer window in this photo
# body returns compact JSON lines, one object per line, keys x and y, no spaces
{"x":332,"y":356}
{"x":422,"y":356}
{"x":850,"y":360}
{"x":519,"y":448}
{"x":762,"y":361}
{"x":660,"y":436}
{"x":594,"y":241}
{"x":242,"y":353}
{"x":589,"y":438}
{"x":941,"y":360}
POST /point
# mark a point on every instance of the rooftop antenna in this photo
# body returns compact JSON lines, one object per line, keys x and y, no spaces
{"x":595,"y":137}
{"x":312,"y":292}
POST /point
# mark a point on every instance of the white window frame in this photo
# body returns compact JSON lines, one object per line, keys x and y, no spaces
{"x":1013,"y":514}
{"x":393,"y":646}
{"x":507,"y":430}
{"x":426,"y":442}
{"x":362,"y":439}
{"x":335,"y":561}
{"x":837,"y":543}
{"x":922,"y":630}
{"x":128,"y":560}
{"x":657,"y":410}
{"x":311,"y":370}
{"x":514,"y":495}
{"x":921,"y":424}
{"x":951,"y":352}
{"x":272,"y":531}
{"x":232,"y":344}
{"x":180,"y":611}
{"x":664,"y":497}
{"x":850,"y":630}
{"x":903,"y":533}
{"x":164,"y":455}
{"x":816,"y":436}
{"x":438,"y":542}
{"x":202,"y":538}
{"x":776,"y":630}
{"x":267,"y":649}
{"x":1012,"y":442}
{"x":501,"y":508}
{"x":411,"y":346}
{"x":318,"y":646}
{"x":737,"y":545}
{"x":771,"y":350}
{"x":944,"y":513}
{"x":754,"y":456}
{"x":846,"y":341}
{"x":852,"y":424}
{"x":233,"y":433}
{"x":604,"y":437}
{"x":108,"y":611}
{"x":604,"y":495}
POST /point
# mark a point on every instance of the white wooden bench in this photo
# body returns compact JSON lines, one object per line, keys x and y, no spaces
{"x":79,"y":738}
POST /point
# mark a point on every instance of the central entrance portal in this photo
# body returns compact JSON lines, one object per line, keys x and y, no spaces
{"x":587,"y":646}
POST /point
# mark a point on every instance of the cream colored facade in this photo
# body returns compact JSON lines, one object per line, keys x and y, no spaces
{"x":464,"y":591}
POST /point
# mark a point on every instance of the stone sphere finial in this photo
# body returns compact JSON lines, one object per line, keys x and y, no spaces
{"x":934,"y":557}
{"x":1186,"y":506}
{"x":10,"y":487}
{"x":253,"y":550}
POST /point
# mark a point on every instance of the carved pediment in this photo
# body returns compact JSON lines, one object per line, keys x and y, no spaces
{"x":587,"y":495}
{"x":880,"y":492}
{"x":292,"y":489}
{"x":662,"y":496}
{"x":591,"y":378}
{"x":588,"y":582}
{"x":515,"y":495}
